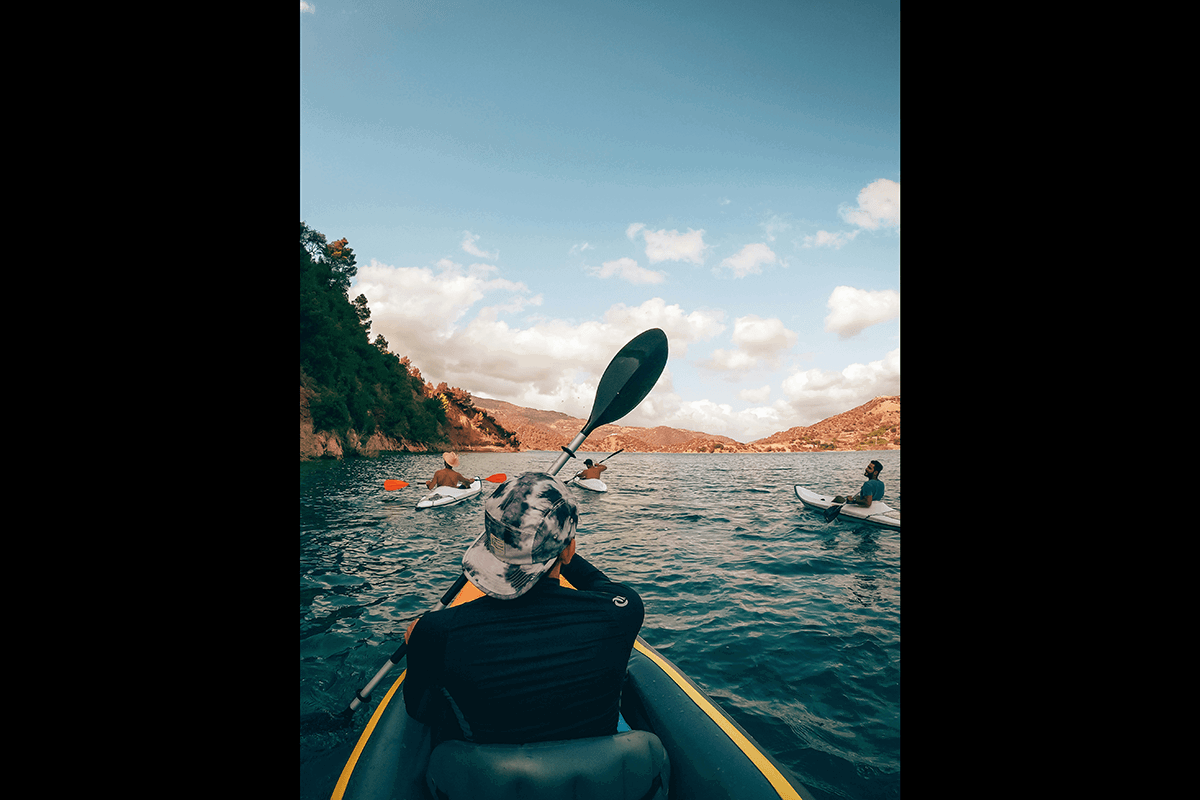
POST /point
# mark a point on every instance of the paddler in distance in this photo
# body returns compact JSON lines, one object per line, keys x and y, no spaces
{"x":535,"y":646}
{"x":447,"y":476}
{"x":871,"y":491}
{"x":591,"y":472}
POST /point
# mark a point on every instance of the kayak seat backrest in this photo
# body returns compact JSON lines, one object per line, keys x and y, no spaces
{"x":627,"y":766}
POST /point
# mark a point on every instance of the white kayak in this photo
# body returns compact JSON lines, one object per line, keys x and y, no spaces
{"x":880,"y":513}
{"x":594,"y":484}
{"x":449,"y":495}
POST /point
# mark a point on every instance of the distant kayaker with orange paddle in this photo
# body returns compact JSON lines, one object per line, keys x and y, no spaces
{"x":447,"y":476}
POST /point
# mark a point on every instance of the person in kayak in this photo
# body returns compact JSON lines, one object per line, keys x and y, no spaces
{"x":592,"y":471}
{"x":871,"y":491}
{"x":536,"y":645}
{"x":447,"y":476}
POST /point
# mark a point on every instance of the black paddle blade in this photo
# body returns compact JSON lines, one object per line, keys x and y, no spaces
{"x":629,"y":378}
{"x":832,"y":512}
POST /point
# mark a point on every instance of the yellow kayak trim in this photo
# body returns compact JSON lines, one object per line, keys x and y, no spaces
{"x":784,"y":789}
{"x":468,"y":593}
{"x":768,"y":770}
{"x":340,"y":789}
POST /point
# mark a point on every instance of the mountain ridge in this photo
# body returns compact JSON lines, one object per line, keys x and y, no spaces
{"x":874,"y":425}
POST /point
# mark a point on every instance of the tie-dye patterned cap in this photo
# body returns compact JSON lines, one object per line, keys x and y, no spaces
{"x":527,"y":522}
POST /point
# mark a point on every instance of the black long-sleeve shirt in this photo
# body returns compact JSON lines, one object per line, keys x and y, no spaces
{"x":546,"y":666}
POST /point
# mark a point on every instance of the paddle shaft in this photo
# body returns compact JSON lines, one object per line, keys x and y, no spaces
{"x":568,"y":452}
{"x":361,"y":696}
{"x":627,"y":380}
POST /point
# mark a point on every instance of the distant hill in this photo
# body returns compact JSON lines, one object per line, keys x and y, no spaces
{"x":875,"y":425}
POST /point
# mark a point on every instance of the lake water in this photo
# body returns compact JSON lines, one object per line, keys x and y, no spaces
{"x":792,"y":624}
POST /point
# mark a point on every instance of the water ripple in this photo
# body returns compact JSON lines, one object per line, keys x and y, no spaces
{"x":791,"y":623}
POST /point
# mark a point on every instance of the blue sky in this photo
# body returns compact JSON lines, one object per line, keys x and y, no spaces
{"x":528,"y":185}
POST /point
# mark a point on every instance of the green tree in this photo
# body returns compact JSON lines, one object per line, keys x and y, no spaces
{"x":312,"y":242}
{"x":364,"y":313}
{"x":356,"y":384}
{"x":342,"y":264}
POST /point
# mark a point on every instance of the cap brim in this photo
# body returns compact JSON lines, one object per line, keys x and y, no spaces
{"x":497,"y":578}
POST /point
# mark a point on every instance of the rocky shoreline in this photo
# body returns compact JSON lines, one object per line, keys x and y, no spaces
{"x":490,"y":426}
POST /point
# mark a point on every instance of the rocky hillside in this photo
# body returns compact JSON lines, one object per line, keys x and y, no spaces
{"x":551,"y":430}
{"x":467,"y":428}
{"x":476,"y":424}
{"x":872,"y":426}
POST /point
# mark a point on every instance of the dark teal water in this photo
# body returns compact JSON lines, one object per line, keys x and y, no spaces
{"x":790,"y":623}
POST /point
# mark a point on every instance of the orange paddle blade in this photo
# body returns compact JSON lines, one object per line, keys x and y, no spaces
{"x":499,"y":477}
{"x":390,"y":485}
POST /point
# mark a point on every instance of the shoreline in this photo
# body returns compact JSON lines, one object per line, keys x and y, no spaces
{"x":673,"y":452}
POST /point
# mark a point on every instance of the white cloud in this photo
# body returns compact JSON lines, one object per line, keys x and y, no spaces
{"x":878,"y":205}
{"x":827,"y":239}
{"x":673,"y":245}
{"x":701,"y":415}
{"x":757,"y":341}
{"x":557,"y":365}
{"x":628,"y":270}
{"x":667,"y":408}
{"x":776,"y":224}
{"x":749,"y":260}
{"x":633,"y":229}
{"x":438,"y":318}
{"x":307,"y":8}
{"x":810,"y":397}
{"x":468,"y":245}
{"x":580,"y":248}
{"x":421,"y":304}
{"x":758,"y":396}
{"x":734,"y":362}
{"x":699,"y":325}
{"x":763,"y":338}
{"x":853,"y":310}
{"x":814,"y":395}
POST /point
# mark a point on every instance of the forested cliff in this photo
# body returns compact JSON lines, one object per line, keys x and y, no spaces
{"x":357,"y":397}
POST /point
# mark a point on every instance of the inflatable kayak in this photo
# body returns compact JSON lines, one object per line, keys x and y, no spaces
{"x":449,"y":495}
{"x":593,"y":484}
{"x":880,"y":513}
{"x":682,"y":745}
